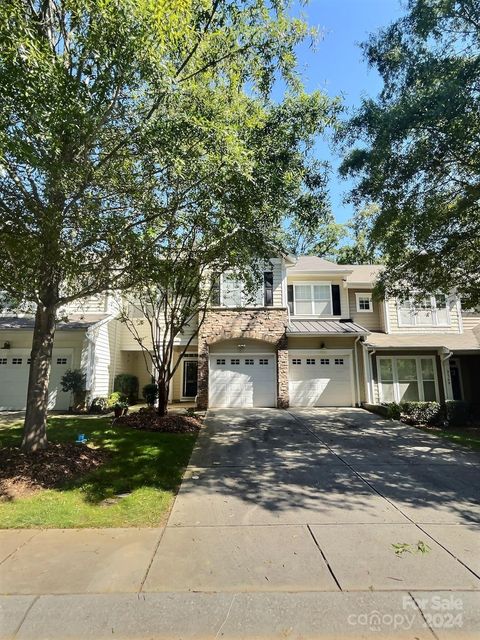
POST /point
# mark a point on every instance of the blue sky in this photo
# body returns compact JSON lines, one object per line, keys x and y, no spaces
{"x":337,"y":66}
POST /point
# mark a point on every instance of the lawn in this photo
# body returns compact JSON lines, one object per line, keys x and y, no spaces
{"x":466,"y":437}
{"x":147,"y":466}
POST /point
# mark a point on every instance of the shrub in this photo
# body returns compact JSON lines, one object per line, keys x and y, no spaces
{"x":73,"y":380}
{"x":127,"y":384}
{"x":150,"y":393}
{"x":431,"y":413}
{"x":99,"y":405}
{"x":116,"y":397}
{"x":392,"y":410}
{"x":457,"y":413}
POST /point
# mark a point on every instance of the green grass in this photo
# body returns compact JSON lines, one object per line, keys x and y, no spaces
{"x":149,"y":465}
{"x":466,"y":437}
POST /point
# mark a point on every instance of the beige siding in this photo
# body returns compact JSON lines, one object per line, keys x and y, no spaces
{"x":470,"y":320}
{"x":395,"y":328}
{"x":22,"y":339}
{"x":316,"y":342}
{"x":276,"y":266}
{"x":370,"y":319}
{"x":250,"y":346}
{"x":93,"y":304}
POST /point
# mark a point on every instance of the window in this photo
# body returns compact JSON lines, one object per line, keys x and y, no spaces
{"x":3,"y":361}
{"x":235,"y":361}
{"x":248,"y":360}
{"x":407,"y":379}
{"x":324,"y":361}
{"x":233,"y":293}
{"x":310,"y":360}
{"x":312,"y":300}
{"x":263,"y":360}
{"x":17,"y":360}
{"x":296,"y":361}
{"x":430,"y":311}
{"x":364,"y":302}
{"x":61,"y":361}
{"x":220,"y":361}
{"x":339,"y":361}
{"x":29,"y":360}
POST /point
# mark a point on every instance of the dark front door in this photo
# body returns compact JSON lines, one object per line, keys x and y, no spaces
{"x":190,"y":369}
{"x":455,"y":377}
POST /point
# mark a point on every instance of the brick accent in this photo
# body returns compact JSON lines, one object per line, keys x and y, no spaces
{"x":267,"y":325}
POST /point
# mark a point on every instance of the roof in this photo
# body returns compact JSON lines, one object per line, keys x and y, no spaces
{"x":76,"y":321}
{"x":324,"y":327}
{"x":310,"y":264}
{"x":363,"y":274}
{"x":467,"y":341}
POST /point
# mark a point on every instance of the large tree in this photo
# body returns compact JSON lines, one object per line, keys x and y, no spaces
{"x":89,"y":88}
{"x":417,"y":149}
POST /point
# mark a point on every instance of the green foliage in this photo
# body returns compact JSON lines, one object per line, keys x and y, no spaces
{"x":458,"y":413}
{"x":404,"y":547}
{"x":393,"y":410}
{"x":430,"y":413}
{"x":415,"y":152}
{"x":127,"y":384}
{"x":358,"y":248}
{"x":99,"y":405}
{"x":117,"y":398}
{"x":150,"y":393}
{"x":73,"y":380}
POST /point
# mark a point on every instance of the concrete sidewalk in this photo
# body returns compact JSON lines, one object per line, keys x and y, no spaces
{"x":284,"y":527}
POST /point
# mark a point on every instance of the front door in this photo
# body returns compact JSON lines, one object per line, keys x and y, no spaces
{"x":455,"y":378}
{"x":190,"y":370}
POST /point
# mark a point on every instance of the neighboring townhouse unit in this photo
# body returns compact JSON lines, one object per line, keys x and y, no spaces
{"x":312,"y":335}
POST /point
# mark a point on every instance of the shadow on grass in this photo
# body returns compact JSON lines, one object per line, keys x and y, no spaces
{"x":137,"y":459}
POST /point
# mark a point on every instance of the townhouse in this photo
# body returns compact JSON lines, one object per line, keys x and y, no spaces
{"x":312,"y":335}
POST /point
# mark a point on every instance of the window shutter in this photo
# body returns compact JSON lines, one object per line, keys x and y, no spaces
{"x":215,"y":295}
{"x":268,"y":288}
{"x":336,"y":300}
{"x":290,"y":297}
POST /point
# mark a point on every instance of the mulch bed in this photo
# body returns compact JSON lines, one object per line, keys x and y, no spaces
{"x":150,"y":421}
{"x":22,"y":473}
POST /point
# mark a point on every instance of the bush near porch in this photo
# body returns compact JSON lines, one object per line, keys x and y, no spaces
{"x":133,"y":487}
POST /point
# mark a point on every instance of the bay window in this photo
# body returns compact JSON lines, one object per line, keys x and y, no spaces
{"x":431,"y":311}
{"x":312,"y":299}
{"x":407,"y":379}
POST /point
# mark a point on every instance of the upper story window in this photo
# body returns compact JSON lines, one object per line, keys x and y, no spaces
{"x":312,"y":299}
{"x":231,"y":291}
{"x":432,"y":311}
{"x":364,"y":302}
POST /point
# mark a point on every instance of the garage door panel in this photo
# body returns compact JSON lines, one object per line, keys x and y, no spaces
{"x":317,"y":382}
{"x":242,"y":381}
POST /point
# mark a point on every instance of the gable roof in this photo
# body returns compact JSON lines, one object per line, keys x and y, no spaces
{"x":310,"y":264}
{"x":363,"y":273}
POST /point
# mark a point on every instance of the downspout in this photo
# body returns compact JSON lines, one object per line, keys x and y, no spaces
{"x":444,"y":361}
{"x":357,"y":378}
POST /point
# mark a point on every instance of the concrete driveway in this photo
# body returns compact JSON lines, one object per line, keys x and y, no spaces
{"x":286,"y":525}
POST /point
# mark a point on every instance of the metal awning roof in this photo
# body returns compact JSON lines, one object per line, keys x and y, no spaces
{"x":325,"y":327}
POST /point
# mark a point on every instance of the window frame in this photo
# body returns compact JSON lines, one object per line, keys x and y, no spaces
{"x":414,"y":313}
{"x":311,"y":284}
{"x":243,"y":298}
{"x":419,"y":379}
{"x":367,"y":295}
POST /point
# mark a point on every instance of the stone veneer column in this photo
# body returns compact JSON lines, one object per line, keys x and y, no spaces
{"x":202,"y":376}
{"x":283,"y":399}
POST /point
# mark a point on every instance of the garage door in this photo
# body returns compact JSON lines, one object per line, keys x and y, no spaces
{"x":320,"y":381}
{"x":14,"y":368}
{"x":242,"y":381}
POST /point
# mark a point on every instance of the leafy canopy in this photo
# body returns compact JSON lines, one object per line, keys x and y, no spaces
{"x":415,"y":149}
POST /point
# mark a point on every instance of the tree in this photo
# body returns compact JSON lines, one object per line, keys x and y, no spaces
{"x":360,"y":248}
{"x":85,"y":86}
{"x":419,"y":156}
{"x":233,"y":196}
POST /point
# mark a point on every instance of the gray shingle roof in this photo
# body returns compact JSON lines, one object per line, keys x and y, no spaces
{"x":323,"y":327}
{"x":75,"y":322}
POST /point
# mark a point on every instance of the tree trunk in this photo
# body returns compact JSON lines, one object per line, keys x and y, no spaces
{"x":35,"y":426}
{"x":162,"y":397}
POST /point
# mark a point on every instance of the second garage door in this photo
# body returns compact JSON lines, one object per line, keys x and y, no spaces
{"x":242,"y":380}
{"x":320,"y":381}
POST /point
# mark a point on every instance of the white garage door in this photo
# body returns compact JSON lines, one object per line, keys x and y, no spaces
{"x":242,"y":380}
{"x":14,"y":368}
{"x":320,"y":381}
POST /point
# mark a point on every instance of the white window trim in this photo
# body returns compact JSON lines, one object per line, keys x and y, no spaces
{"x":434,"y":322}
{"x":312,"y":284}
{"x":359,"y":295}
{"x":396,"y":388}
{"x":187,"y":357}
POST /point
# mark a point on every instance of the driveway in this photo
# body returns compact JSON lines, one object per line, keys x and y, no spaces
{"x":314,"y":500}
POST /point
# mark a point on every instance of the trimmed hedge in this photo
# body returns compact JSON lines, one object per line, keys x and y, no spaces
{"x":431,"y":413}
{"x":127,"y":384}
{"x":452,"y":413}
{"x":150,"y":393}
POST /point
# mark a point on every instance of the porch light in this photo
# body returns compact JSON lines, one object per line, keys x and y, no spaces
{"x":241,"y":347}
